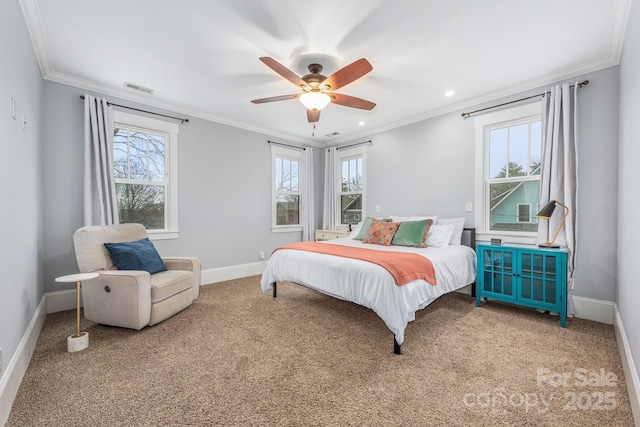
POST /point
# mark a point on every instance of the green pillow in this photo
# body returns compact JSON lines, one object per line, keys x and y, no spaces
{"x":366,"y":224}
{"x":365,"y":228}
{"x":412,"y":233}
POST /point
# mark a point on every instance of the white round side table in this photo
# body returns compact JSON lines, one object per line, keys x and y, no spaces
{"x":80,"y":340}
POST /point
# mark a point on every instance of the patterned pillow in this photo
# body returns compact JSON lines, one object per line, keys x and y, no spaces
{"x":364,"y":227}
{"x":381,"y":233}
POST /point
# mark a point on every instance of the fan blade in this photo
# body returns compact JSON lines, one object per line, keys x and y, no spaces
{"x":351,"y":101}
{"x":275,"y":98}
{"x":283,"y":71}
{"x":313,"y":115}
{"x":348,"y":74}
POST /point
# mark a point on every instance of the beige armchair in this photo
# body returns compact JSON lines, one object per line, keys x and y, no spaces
{"x":131,"y":298}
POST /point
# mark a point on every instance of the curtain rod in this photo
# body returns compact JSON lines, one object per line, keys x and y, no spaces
{"x":465,"y":115}
{"x":286,"y":145}
{"x":145,"y":111}
{"x":353,"y":145}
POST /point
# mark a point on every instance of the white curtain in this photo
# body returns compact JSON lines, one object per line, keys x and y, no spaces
{"x":559,"y":179}
{"x":330,"y":201}
{"x":100,"y":202}
{"x":308,"y":208}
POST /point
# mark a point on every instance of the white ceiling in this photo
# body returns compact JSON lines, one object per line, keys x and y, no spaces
{"x":201,"y":56}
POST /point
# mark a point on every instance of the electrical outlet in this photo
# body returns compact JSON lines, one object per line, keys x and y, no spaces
{"x":468,"y":207}
{"x":261,"y":255}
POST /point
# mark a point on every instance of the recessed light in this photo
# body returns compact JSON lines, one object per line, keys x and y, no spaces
{"x":361,"y":123}
{"x":449,"y":93}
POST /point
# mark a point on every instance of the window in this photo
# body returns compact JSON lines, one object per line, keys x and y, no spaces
{"x":351,"y":183}
{"x":145,"y":171}
{"x":286,"y":166}
{"x":524,"y":212}
{"x":508,"y":156}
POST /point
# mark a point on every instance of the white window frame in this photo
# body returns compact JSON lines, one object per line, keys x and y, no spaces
{"x":342,"y":155}
{"x":528,"y":205}
{"x":147,"y":124}
{"x":280,"y":152}
{"x":483,"y":124}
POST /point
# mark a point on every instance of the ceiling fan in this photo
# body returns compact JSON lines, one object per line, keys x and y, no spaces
{"x":318,"y":89}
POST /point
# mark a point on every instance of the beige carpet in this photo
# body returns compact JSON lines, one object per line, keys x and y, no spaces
{"x":240,"y":357}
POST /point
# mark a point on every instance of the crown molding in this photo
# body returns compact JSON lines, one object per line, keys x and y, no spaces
{"x":34,"y":27}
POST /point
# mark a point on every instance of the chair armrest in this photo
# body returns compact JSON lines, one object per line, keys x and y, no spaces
{"x":118,"y":298}
{"x":123,"y":274}
{"x":182,"y":263}
{"x":188,"y":264}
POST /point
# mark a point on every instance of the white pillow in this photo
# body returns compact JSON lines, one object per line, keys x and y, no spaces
{"x":458,"y":227}
{"x":355,"y":230}
{"x":439,"y":236}
{"x":395,"y":218}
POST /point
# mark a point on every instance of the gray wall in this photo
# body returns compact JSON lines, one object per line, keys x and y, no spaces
{"x":224,"y":188}
{"x":629,"y":197}
{"x":20,"y":182}
{"x":428,"y":168}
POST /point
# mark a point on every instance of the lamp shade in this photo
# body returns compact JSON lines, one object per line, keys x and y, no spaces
{"x":315,"y":100}
{"x":545,"y":213}
{"x":547,"y":210}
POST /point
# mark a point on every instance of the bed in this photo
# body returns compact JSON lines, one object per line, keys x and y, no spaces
{"x":371,"y":285}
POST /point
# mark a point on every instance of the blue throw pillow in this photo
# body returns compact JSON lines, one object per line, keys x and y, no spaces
{"x":140,"y":255}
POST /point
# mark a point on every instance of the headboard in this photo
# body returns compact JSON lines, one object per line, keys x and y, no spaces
{"x":469,"y":237}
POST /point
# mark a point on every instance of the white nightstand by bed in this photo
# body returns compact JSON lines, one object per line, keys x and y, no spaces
{"x":330,"y":234}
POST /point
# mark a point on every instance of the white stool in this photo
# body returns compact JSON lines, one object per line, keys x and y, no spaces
{"x":80,"y":340}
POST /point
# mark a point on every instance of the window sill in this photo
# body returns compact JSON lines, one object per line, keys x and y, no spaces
{"x":286,"y":229}
{"x":521,"y":238}
{"x":163,"y":234}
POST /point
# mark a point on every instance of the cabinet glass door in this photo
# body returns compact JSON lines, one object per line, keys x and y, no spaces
{"x":498,"y":274}
{"x":539,"y":278}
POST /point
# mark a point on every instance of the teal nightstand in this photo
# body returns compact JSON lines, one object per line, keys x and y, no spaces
{"x":529,"y":276}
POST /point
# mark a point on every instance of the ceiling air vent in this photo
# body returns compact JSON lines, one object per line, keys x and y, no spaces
{"x":332,"y":134}
{"x":138,"y":87}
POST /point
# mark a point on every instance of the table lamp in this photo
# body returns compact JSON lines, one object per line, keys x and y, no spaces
{"x":546,"y":213}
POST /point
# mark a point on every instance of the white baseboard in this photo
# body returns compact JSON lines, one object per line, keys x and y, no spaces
{"x":221,"y":274}
{"x":66,"y":300}
{"x":10,"y":381}
{"x":594,"y":309}
{"x":629,"y":367}
{"x":61,"y":300}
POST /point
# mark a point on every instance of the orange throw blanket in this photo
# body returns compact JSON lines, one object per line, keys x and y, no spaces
{"x":404,"y":267}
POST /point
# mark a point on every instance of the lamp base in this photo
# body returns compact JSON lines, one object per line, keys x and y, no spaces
{"x":544,"y":245}
{"x":77,"y":343}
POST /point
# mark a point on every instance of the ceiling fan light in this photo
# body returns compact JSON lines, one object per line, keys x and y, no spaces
{"x":315,"y":100}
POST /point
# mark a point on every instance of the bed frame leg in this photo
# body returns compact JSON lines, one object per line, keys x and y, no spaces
{"x":397,"y":348}
{"x":275,"y":288}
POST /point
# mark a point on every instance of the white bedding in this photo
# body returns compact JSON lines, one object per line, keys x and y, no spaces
{"x":369,"y":284}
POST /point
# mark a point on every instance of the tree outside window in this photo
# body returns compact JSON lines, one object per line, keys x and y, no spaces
{"x":351,"y":191}
{"x":287,"y":190}
{"x":513,"y":180}
{"x":139,"y":171}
